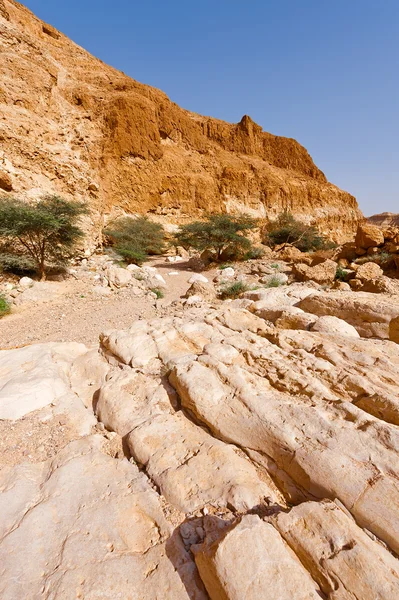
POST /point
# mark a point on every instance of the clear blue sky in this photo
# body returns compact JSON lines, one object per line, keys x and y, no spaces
{"x":325,"y":72}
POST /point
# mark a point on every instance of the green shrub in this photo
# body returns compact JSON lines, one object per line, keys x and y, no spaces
{"x":136,"y":239}
{"x":225,"y":266}
{"x":221,"y":233}
{"x":273,"y":282}
{"x":158,"y":292}
{"x":340,"y":274}
{"x":4,"y":306}
{"x":255,"y":253}
{"x":288,"y":230}
{"x":13,"y":263}
{"x":275,"y":266}
{"x":234,"y":290}
{"x":44,"y":232}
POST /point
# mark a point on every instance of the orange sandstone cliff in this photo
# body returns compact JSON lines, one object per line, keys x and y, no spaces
{"x":72,"y":125}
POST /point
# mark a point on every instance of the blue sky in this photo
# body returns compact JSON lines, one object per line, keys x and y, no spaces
{"x":325,"y":72}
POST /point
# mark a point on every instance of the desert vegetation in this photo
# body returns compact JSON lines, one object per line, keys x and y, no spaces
{"x":4,"y":306}
{"x":233,"y":290}
{"x":286,"y":229}
{"x":34,"y":236}
{"x":136,"y":239}
{"x":222,"y":234}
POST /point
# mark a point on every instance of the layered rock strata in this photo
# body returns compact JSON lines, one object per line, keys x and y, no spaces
{"x":75,"y":126}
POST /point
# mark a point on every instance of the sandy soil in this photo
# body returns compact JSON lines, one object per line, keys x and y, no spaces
{"x":79,"y":315}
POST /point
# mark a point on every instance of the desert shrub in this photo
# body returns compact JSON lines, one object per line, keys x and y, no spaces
{"x":220,"y":233}
{"x":234,"y":290}
{"x":4,"y":306}
{"x":13,"y":263}
{"x":288,"y":230}
{"x":44,"y":232}
{"x":136,"y":239}
{"x":225,"y":266}
{"x":254,"y":253}
{"x":275,"y":266}
{"x":381,"y":258}
{"x":385,"y":257}
{"x":340,"y":274}
{"x":158,"y":292}
{"x":273,"y":282}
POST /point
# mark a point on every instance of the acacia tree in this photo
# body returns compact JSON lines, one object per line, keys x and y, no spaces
{"x":217,"y":233}
{"x":46,"y":231}
{"x":288,"y":230}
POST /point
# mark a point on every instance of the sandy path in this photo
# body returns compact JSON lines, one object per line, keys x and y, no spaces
{"x":79,"y":315}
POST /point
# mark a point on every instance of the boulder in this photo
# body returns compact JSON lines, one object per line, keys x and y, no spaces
{"x":228,"y":272}
{"x":368,"y":313}
{"x":200,"y":288}
{"x":291,"y":254}
{"x":174,"y":259}
{"x":26,"y":282}
{"x":5,"y":181}
{"x":381,"y":285}
{"x":133,"y":268}
{"x":118,"y":277}
{"x":334,"y":326}
{"x":369,"y":270}
{"x":368,"y":236}
{"x":392,"y":248}
{"x":323,"y":273}
{"x":200,"y":262}
{"x":35,"y":376}
{"x":198,"y":277}
{"x":295,"y":318}
{"x":343,"y":286}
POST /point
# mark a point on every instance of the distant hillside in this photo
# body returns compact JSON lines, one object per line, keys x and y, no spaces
{"x":385,"y":219}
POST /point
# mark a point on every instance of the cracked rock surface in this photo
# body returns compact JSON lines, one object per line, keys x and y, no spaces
{"x":219,"y":453}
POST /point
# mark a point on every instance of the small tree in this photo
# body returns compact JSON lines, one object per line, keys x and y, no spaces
{"x":219,"y":233}
{"x":44,"y":232}
{"x":288,"y":230}
{"x":135,"y":239}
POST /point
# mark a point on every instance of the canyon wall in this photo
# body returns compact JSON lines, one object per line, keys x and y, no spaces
{"x":385,"y":219}
{"x":72,"y":125}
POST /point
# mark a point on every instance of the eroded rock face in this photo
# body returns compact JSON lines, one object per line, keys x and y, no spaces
{"x":262,"y":569}
{"x":77,"y":127}
{"x":368,"y":236}
{"x":368,"y":313}
{"x":214,"y":454}
{"x":343,"y":560}
{"x":81,"y":514}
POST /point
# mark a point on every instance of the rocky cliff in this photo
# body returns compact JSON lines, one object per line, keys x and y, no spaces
{"x":386,"y":219}
{"x":73,"y":125}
